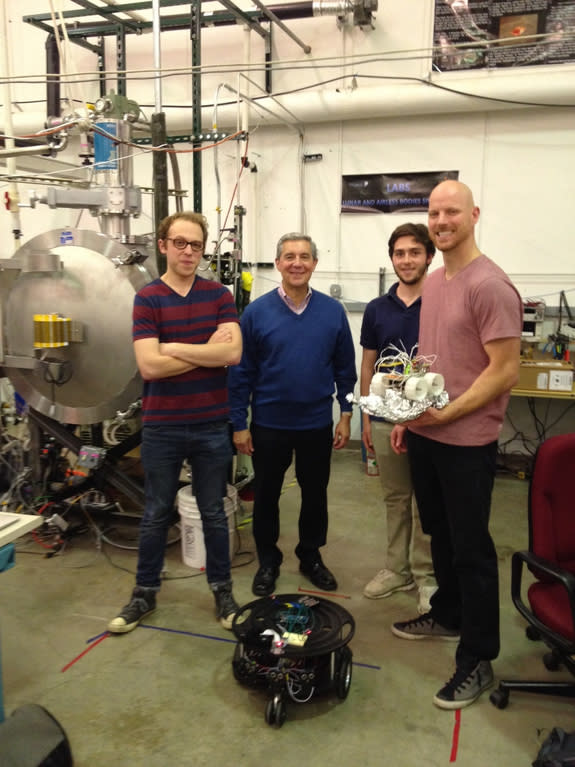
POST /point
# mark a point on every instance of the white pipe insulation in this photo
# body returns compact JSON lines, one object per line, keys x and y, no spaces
{"x":8,"y":122}
{"x":547,"y":86}
{"x":407,"y":98}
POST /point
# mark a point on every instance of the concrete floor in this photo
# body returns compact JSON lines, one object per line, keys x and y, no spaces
{"x":165,"y":694}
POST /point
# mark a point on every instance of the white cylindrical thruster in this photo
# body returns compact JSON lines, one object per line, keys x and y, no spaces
{"x":378,"y":384}
{"x":435,"y":383}
{"x":415,"y":389}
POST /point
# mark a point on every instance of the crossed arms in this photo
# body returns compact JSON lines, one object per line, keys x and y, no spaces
{"x":163,"y":360}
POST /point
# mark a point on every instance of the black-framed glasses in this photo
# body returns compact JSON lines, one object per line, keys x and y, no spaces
{"x":181,"y":244}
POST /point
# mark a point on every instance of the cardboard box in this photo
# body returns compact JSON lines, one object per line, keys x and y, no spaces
{"x":545,"y":375}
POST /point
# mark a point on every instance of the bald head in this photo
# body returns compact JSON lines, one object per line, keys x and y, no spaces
{"x":455,"y":190}
{"x":452,"y":218}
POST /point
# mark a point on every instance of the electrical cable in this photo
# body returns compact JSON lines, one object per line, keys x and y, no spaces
{"x":420,"y":80}
{"x":356,"y":76}
{"x":337,"y":61}
{"x":223,"y":229}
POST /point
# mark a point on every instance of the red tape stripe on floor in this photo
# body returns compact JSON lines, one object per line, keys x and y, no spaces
{"x":455,"y":740}
{"x":329,"y":594}
{"x":87,"y":650}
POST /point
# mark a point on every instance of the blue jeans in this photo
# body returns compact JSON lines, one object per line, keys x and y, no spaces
{"x":208,"y":449}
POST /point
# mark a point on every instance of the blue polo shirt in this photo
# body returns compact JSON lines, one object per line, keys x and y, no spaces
{"x":388,"y":321}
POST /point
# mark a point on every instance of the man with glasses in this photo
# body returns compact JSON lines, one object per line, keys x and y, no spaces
{"x":186,"y":333}
{"x":392,"y":320}
{"x":298,"y":349}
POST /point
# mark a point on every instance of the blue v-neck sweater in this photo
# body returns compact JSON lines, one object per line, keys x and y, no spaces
{"x":292,"y":364}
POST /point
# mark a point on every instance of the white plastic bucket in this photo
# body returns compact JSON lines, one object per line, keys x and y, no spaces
{"x":193,"y":547}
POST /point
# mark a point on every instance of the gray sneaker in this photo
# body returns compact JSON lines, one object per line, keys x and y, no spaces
{"x":424,"y":627}
{"x":142,"y":603}
{"x":465,"y":686}
{"x":226,"y":605}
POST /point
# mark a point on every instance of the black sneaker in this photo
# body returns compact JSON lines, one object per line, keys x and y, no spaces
{"x":142,"y":603}
{"x":424,"y":627}
{"x":465,"y":686}
{"x":226,"y":605}
{"x":265,"y":581}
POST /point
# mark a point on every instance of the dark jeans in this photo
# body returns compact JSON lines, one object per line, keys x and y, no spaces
{"x":208,"y":449}
{"x":453,"y":488}
{"x":273,"y":451}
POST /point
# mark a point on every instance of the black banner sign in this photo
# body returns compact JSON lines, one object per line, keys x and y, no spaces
{"x":390,"y":192}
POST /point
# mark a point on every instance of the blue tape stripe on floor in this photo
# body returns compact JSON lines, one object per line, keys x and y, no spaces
{"x":188,"y":633}
{"x":93,"y":639}
{"x":215,"y":638}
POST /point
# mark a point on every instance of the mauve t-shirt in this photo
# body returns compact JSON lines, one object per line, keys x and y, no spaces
{"x":458,"y":316}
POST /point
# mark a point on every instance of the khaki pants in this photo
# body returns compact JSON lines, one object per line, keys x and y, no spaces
{"x":408,"y":548}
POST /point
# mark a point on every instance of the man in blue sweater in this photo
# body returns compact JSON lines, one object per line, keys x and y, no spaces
{"x":298,"y":350}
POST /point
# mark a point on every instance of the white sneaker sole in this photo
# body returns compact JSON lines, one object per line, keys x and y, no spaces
{"x":405,"y":587}
{"x":453,"y":705}
{"x":125,"y":628}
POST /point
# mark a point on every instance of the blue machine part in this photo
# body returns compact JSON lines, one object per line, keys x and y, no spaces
{"x":106,"y":150}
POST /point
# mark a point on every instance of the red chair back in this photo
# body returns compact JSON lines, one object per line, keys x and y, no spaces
{"x":552,"y":502}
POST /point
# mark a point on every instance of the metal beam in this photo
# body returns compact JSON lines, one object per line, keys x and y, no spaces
{"x":272,"y":17}
{"x":160,"y":170}
{"x":107,"y":12}
{"x":79,"y":31}
{"x":121,"y":59}
{"x":72,"y":33}
{"x":245,"y":18}
{"x":196,"y":38}
{"x":102,"y":65}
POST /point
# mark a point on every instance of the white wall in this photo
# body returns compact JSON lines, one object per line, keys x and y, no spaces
{"x":520,"y":162}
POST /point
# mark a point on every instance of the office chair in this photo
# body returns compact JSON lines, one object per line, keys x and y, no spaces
{"x":551,"y":559}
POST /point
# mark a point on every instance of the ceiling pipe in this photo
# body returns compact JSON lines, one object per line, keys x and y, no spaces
{"x":384,"y":101}
{"x":157,"y":56}
{"x":8,"y":124}
{"x":399,"y":99}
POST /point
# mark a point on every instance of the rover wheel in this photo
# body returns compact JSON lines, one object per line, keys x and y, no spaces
{"x":281,"y":710}
{"x":343,"y":673}
{"x":276,"y":712}
{"x":237,"y":664}
{"x":270,"y":713}
{"x":499,"y":698}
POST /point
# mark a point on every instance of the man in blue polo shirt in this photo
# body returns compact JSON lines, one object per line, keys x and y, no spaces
{"x":393,"y":320}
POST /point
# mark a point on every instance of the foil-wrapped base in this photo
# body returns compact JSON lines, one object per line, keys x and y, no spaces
{"x":394,"y":407}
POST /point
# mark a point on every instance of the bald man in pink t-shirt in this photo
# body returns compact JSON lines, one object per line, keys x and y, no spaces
{"x":471,"y":320}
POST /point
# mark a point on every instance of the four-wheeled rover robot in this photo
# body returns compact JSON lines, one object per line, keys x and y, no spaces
{"x":296,"y":646}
